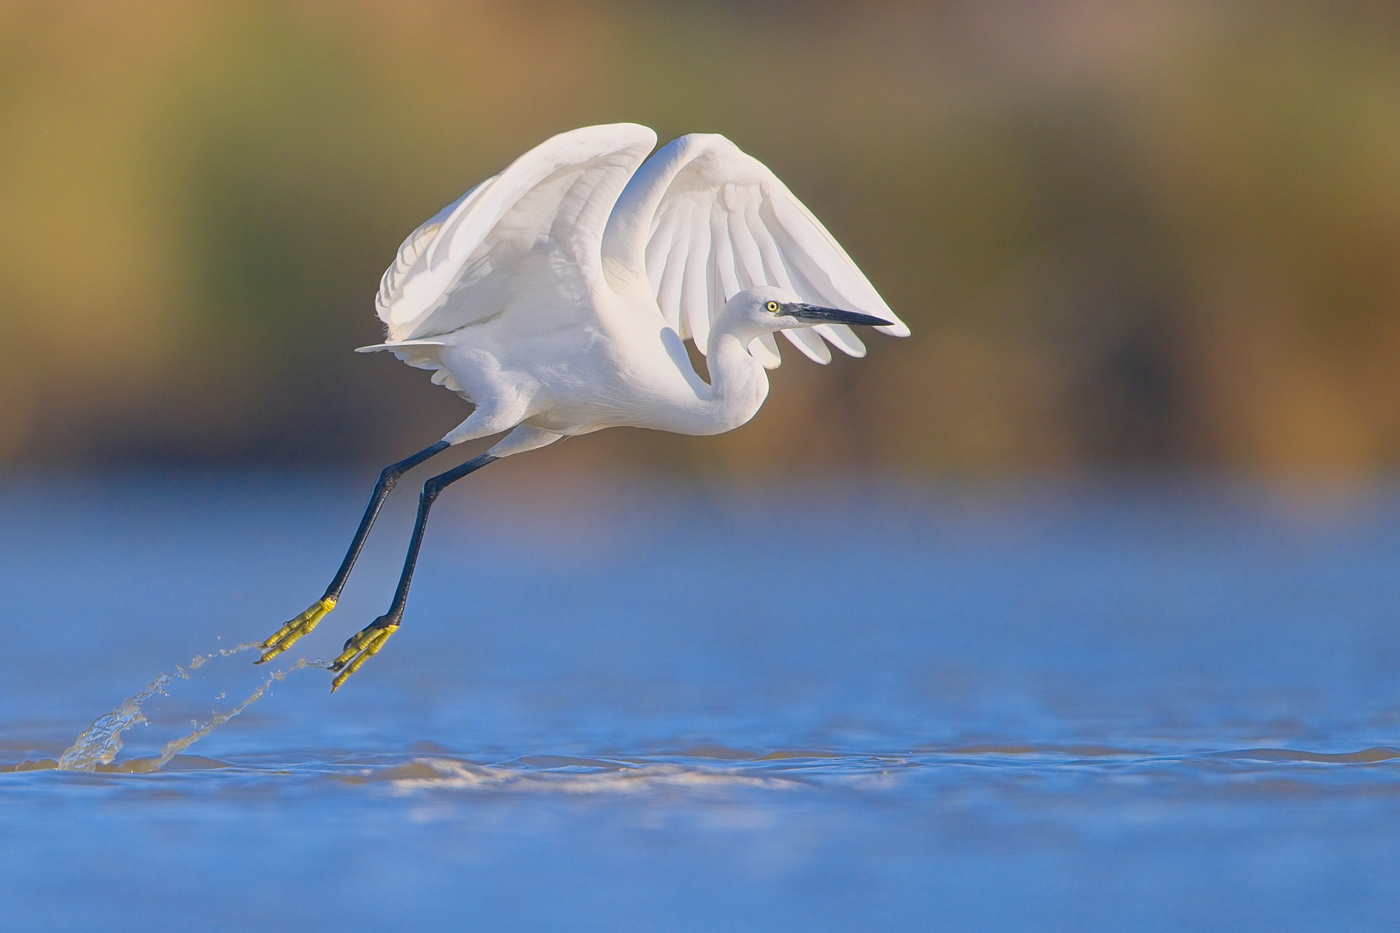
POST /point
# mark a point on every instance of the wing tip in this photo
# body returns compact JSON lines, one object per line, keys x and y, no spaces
{"x":395,"y":344}
{"x":603,"y":134}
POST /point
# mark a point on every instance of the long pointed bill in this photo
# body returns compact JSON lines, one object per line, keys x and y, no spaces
{"x":817,"y":315}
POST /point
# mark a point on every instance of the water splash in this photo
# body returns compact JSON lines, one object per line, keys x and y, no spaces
{"x":99,"y":744}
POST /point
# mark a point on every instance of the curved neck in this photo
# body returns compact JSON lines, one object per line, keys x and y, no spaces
{"x":737,"y":388}
{"x":738,"y":382}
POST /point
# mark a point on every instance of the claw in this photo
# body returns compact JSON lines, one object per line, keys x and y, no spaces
{"x":286,"y":636}
{"x":360,"y":647}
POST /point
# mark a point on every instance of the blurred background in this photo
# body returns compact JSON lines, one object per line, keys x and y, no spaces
{"x":877,"y":657}
{"x":1128,"y":235}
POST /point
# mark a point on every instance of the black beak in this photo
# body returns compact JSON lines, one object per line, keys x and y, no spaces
{"x":805,"y":312}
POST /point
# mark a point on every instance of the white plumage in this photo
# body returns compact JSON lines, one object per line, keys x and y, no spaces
{"x":544,"y":294}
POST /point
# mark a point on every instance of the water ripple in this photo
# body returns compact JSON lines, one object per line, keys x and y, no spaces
{"x":992,"y":767}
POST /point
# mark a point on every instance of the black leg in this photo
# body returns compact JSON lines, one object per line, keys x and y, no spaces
{"x":283,"y":638}
{"x":388,"y":479}
{"x":367,"y":642}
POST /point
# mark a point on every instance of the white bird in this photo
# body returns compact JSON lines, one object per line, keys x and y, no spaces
{"x":557,"y":295}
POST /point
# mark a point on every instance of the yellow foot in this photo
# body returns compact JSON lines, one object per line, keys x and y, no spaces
{"x":362,"y":646}
{"x":284,"y":637}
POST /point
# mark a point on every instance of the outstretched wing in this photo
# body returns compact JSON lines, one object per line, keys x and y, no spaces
{"x":706,"y":221}
{"x":458,"y":268}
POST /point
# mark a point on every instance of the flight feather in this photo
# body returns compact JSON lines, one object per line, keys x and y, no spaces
{"x":704,"y":220}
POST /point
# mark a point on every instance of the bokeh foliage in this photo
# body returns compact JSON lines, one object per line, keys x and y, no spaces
{"x":1153,"y":232}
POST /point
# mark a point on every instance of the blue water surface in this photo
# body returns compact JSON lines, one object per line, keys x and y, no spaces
{"x":624,"y":706}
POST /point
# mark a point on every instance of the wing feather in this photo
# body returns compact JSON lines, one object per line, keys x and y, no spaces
{"x":659,"y":248}
{"x":765,"y":350}
{"x":748,"y":260}
{"x":775,"y":271}
{"x":806,"y":340}
{"x":668,"y":289}
{"x":460,"y":267}
{"x":754,"y":242}
{"x":696,"y":306}
{"x":812,"y":255}
{"x":745,"y":228}
{"x":843,"y":337}
{"x":722,"y":248}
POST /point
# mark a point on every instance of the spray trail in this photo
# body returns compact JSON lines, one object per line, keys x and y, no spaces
{"x":100,"y":742}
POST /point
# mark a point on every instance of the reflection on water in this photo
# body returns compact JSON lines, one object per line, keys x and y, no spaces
{"x":1133,"y":708}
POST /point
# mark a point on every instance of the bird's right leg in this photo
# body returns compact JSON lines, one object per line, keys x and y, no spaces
{"x":366,"y":643}
{"x":284,"y":637}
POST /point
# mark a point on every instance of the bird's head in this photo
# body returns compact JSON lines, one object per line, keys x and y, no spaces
{"x":766,"y":308}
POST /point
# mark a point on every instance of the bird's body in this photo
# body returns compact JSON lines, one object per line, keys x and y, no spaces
{"x":557,"y":295}
{"x":616,"y":369}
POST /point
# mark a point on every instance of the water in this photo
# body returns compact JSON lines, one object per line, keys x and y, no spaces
{"x":617,"y":707}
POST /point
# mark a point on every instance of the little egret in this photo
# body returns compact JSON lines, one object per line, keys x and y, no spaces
{"x":557,"y":295}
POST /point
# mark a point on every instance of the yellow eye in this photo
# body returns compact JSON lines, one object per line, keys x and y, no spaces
{"x":773,"y":306}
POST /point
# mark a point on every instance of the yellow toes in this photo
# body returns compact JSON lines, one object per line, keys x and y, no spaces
{"x":360,"y":648}
{"x":286,"y":636}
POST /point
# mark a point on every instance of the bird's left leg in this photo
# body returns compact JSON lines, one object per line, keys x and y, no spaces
{"x":365,"y":644}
